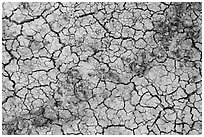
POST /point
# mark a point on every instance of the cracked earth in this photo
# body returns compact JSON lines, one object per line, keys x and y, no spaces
{"x":101,"y":68}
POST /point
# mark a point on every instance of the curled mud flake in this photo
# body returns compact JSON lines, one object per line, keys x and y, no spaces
{"x":128,"y":60}
{"x":134,"y":66}
{"x":82,"y":90}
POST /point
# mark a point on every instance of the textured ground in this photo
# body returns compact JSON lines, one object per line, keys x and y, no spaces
{"x":101,"y":68}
